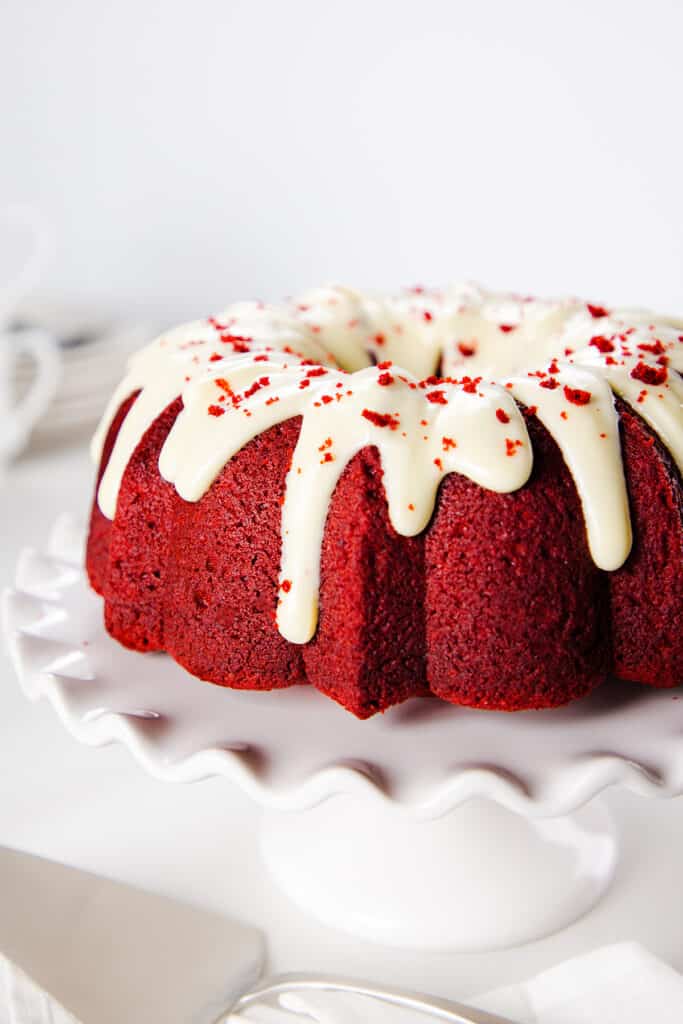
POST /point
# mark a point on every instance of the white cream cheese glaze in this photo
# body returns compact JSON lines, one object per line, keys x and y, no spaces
{"x":253,"y":366}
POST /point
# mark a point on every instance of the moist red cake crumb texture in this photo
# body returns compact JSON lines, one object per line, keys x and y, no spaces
{"x":497,"y":604}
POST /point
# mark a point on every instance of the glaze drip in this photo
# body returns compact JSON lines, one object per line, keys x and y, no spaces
{"x":254,"y":366}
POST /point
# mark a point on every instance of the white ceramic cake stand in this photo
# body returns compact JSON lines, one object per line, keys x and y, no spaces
{"x":430,"y":826}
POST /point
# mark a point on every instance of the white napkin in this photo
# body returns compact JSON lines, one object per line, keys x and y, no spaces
{"x":620,"y":984}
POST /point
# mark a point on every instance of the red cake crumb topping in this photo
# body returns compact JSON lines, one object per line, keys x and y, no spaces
{"x":465,"y":349}
{"x":239,"y":343}
{"x":317,"y":371}
{"x":502,"y":416}
{"x":327,"y":399}
{"x":655,"y":347}
{"x":550,"y":383}
{"x":506,"y":328}
{"x":385,"y":379}
{"x":512,"y":446}
{"x":304,"y":383}
{"x":596,"y":311}
{"x":438,"y":463}
{"x":215,"y":410}
{"x":216,"y":325}
{"x":602,"y":344}
{"x":215,"y":357}
{"x":427,"y":316}
{"x":379,"y":339}
{"x":262,"y":382}
{"x":436,"y":397}
{"x":649,"y":374}
{"x":286,"y":585}
{"x":470,"y":384}
{"x":381,"y":419}
{"x":386,"y":365}
{"x":447,"y":443}
{"x":327,"y":457}
{"x":576,"y":396}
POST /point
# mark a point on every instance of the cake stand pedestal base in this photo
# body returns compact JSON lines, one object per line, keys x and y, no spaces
{"x":479,"y":878}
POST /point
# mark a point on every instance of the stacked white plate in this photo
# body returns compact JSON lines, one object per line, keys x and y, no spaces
{"x":93,"y":358}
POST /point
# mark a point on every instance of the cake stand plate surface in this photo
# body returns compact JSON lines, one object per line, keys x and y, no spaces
{"x":449,"y":827}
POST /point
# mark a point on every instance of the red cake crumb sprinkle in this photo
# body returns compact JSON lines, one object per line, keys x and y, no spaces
{"x":261,"y":358}
{"x":512,"y":446}
{"x":262,"y":382}
{"x":576,"y":396}
{"x":304,"y":383}
{"x":596,"y":311}
{"x":411,"y":507}
{"x":550,"y":384}
{"x":216,"y":325}
{"x":272,"y":400}
{"x":385,"y":379}
{"x":603,"y":436}
{"x":564,"y":415}
{"x":650,"y":374}
{"x":215,"y":357}
{"x":327,"y":457}
{"x":238,"y":342}
{"x":602,"y":343}
{"x":327,"y":443}
{"x":465,"y":349}
{"x":655,"y":347}
{"x":215,"y":410}
{"x":423,"y":423}
{"x":379,"y":339}
{"x":470,"y":384}
{"x":437,"y":397}
{"x":569,"y":352}
{"x":381,"y":419}
{"x":386,"y":365}
{"x":506,"y":328}
{"x":641,"y":397}
{"x":317,"y":371}
{"x":502,"y":416}
{"x":427,"y":316}
{"x":327,"y":399}
{"x":286,"y":585}
{"x":553,"y":368}
{"x":447,"y":443}
{"x":438,"y":463}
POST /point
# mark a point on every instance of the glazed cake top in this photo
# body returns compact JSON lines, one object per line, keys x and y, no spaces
{"x":433,"y":379}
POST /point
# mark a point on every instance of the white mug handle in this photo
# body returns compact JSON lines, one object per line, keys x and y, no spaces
{"x":44,"y":351}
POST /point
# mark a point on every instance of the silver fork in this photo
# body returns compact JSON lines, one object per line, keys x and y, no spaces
{"x":439,"y":1009}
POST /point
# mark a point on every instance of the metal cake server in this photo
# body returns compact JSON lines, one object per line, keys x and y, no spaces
{"x":439,"y":1009}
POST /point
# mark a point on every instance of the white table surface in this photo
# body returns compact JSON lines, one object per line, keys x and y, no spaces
{"x":97,"y":810}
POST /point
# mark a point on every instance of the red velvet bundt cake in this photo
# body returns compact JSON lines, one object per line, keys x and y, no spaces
{"x":457,"y":493}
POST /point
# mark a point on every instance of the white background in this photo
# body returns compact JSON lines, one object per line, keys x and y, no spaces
{"x":191,"y":153}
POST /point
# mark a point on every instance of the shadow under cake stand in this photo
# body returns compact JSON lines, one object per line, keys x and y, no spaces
{"x":431,"y":826}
